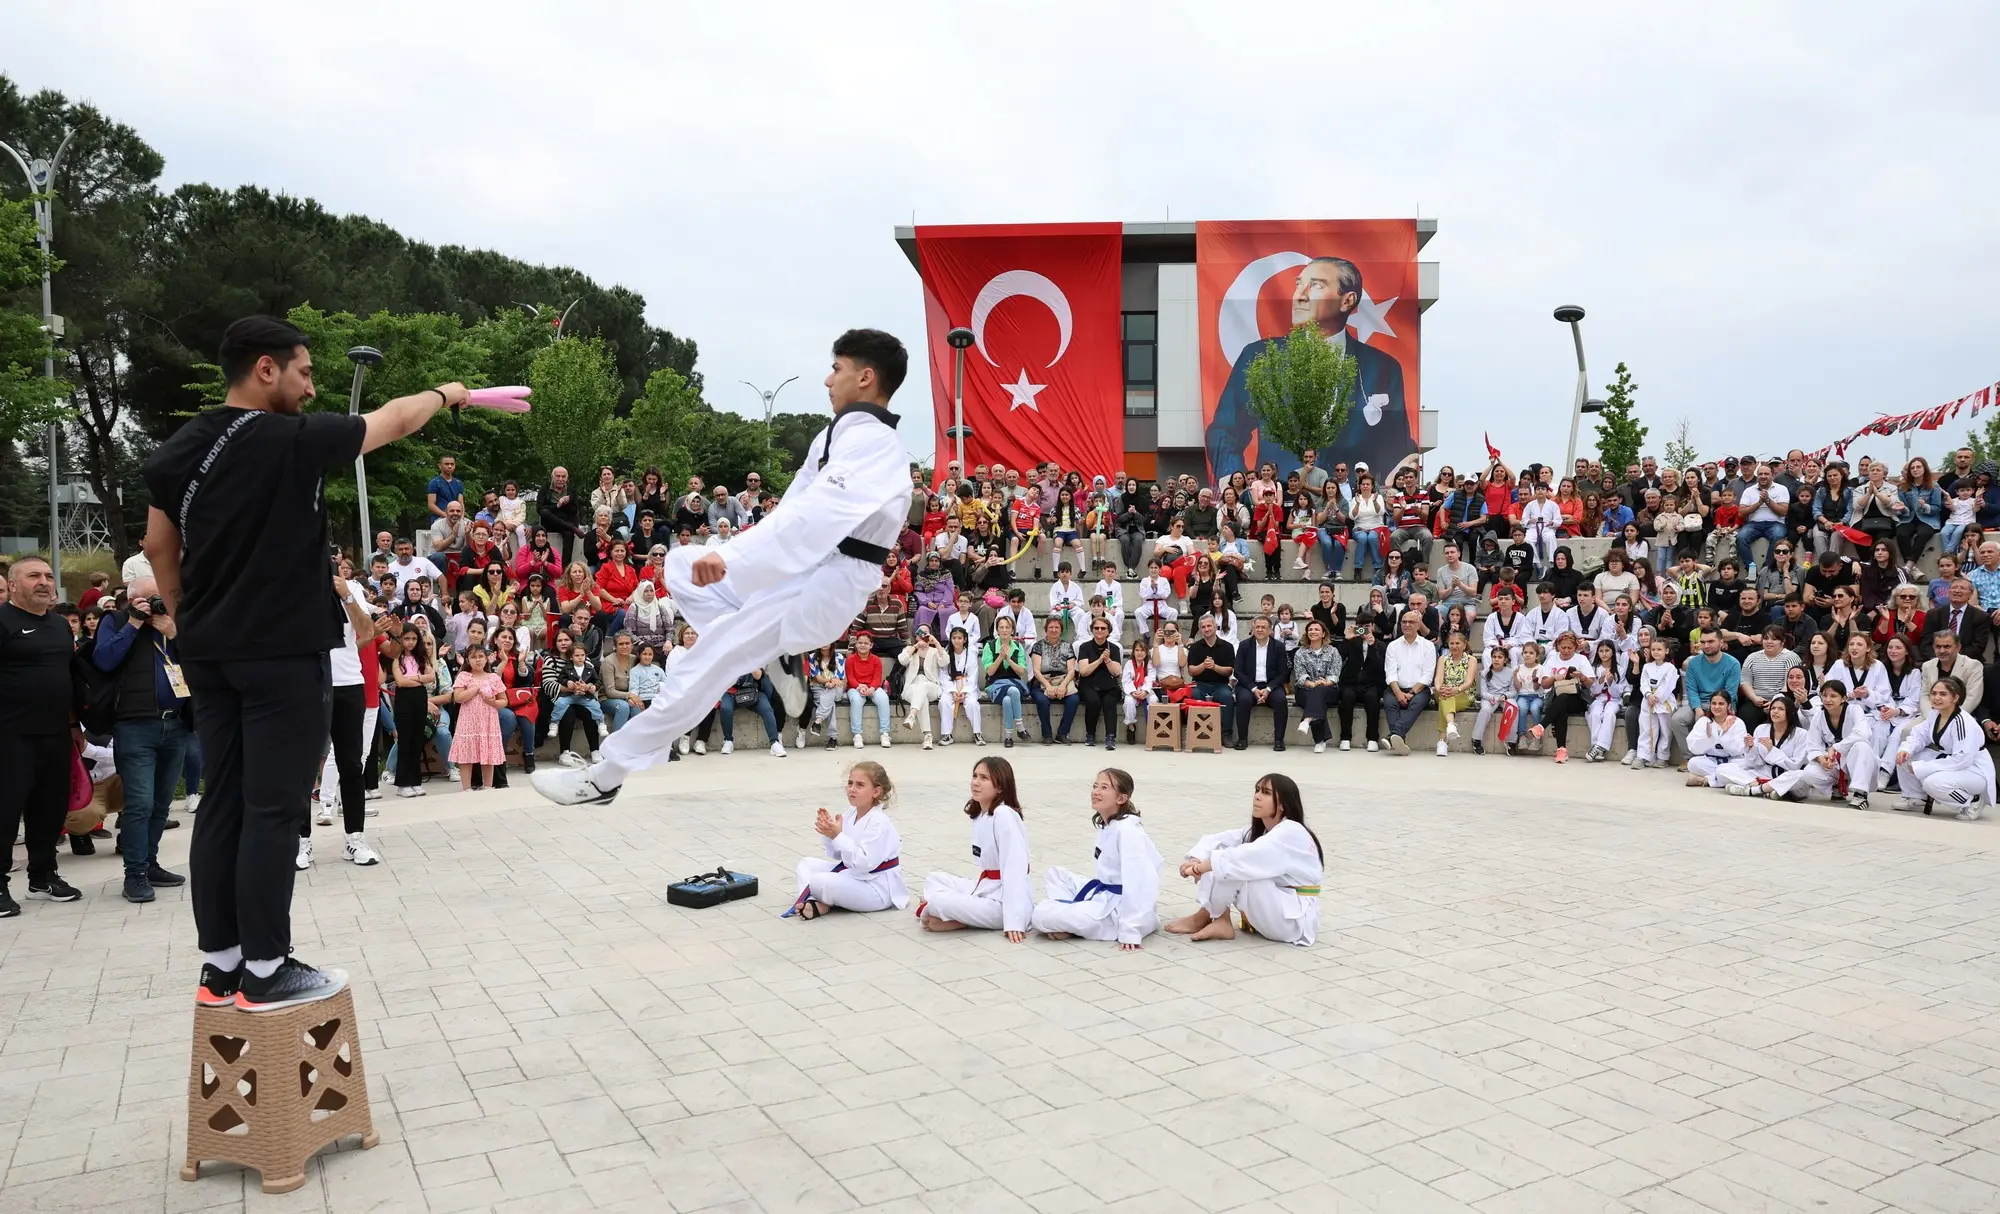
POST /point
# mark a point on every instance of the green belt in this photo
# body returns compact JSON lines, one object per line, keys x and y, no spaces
{"x":1306,"y":891}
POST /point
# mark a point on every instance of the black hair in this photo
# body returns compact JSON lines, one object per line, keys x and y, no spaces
{"x":874,"y":349}
{"x":1285,"y":791}
{"x":251,"y":338}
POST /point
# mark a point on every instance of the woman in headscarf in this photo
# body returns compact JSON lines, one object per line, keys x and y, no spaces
{"x":649,"y":618}
{"x":933,"y":593}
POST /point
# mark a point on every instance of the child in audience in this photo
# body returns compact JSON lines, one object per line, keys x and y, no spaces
{"x":1965,"y":505}
{"x":1659,"y":680}
{"x":961,"y":689}
{"x":1287,"y":627}
{"x":1269,"y":871}
{"x":1496,"y":690}
{"x":1527,"y":697}
{"x":999,"y":897}
{"x":476,"y":744}
{"x":1120,"y":901}
{"x":863,"y":866}
{"x":1607,"y":685}
{"x":1108,"y":589}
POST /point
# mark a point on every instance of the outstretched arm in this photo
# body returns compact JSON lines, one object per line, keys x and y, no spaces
{"x":406,"y":415}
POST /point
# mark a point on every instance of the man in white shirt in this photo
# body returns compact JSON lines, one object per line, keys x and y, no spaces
{"x":1763,"y":504}
{"x":408,"y":565}
{"x":1408,"y":663}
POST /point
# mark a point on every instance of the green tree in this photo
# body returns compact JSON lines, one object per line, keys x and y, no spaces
{"x":655,"y":434}
{"x":576,"y":392}
{"x":28,"y":401}
{"x":1680,"y":451}
{"x":1302,"y":390}
{"x":1619,"y":434}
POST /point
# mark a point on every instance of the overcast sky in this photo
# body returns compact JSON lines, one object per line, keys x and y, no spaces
{"x":1781,"y":215}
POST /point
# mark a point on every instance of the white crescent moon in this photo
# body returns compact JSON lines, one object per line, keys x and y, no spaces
{"x":1236,"y":319}
{"x":1010,"y":283}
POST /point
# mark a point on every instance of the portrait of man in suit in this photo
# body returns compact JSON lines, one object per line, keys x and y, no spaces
{"x":1378,"y":429}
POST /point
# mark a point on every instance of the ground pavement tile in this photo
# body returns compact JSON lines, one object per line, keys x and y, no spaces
{"x":1539,"y":989}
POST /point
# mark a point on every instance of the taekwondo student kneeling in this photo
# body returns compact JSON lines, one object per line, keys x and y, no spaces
{"x":1121,"y":901}
{"x":863,"y":870}
{"x":1944,"y":757}
{"x":999,"y":896}
{"x":1269,"y":870}
{"x":1839,"y":744}
{"x":790,"y":584}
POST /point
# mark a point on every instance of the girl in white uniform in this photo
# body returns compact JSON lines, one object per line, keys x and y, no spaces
{"x":1113,"y":594}
{"x":863,"y":869}
{"x":1607,"y":689}
{"x":999,"y":896}
{"x":1120,"y":902}
{"x":1717,"y":738}
{"x":1840,"y":742}
{"x":1944,"y":757}
{"x":1269,"y":871}
{"x":1659,"y":680}
{"x":1780,"y":745}
{"x":960,"y":675}
{"x":1137,"y":681}
{"x":1895,"y":700}
{"x":1156,"y":600}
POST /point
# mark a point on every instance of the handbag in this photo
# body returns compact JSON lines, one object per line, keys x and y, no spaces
{"x":710,"y":889}
{"x":745,"y":692}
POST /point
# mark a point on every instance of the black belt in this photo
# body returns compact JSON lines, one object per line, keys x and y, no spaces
{"x":862,"y":550}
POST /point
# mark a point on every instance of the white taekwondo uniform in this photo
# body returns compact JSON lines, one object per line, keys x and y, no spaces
{"x":1120,"y":902}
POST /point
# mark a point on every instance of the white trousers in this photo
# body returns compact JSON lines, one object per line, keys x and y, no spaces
{"x":1153,"y":613}
{"x":1093,"y":919}
{"x":1707,"y":768}
{"x":1263,"y":903}
{"x":848,"y":892}
{"x":1814,"y":780}
{"x":949,"y":896}
{"x":1603,"y":717}
{"x":948,"y":707}
{"x":743,"y":625}
{"x":1135,"y":704}
{"x":1739,"y":771}
{"x":1656,"y":736}
{"x":1953,"y":787}
{"x":920,"y":693}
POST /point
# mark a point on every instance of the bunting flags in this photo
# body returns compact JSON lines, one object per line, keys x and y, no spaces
{"x":1933,"y":418}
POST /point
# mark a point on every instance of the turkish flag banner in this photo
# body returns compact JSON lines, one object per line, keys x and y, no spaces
{"x":1044,"y":377}
{"x":1355,"y":278}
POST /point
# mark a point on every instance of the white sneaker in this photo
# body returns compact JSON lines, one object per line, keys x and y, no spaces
{"x":1631,"y":757}
{"x":1443,"y":750}
{"x":799,"y":739}
{"x":700,"y":747}
{"x":408,"y":792}
{"x":305,"y":859}
{"x":1346,"y":745}
{"x":597,"y":756}
{"x":1306,"y":726}
{"x":325,"y":815}
{"x":729,"y":747}
{"x":194,"y":802}
{"x":1372,"y":747}
{"x":570,"y":758}
{"x":420,"y":791}
{"x":1969,"y":814}
{"x":977,"y":739}
{"x":1739,"y":790}
{"x":370,"y":809}
{"x":778,"y":750}
{"x":857,"y":742}
{"x":685,"y":745}
{"x":358,"y":851}
{"x":569,"y":786}
{"x":1911,"y":805}
{"x":1451,"y":729}
{"x":885,"y":739}
{"x":927,"y":741}
{"x":1319,"y":748}
{"x":373,"y":794}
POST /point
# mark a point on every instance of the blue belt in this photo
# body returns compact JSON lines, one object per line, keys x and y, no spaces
{"x":1094,"y":886}
{"x":885,"y":866}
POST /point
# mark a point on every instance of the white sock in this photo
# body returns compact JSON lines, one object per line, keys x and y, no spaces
{"x":607,"y":775}
{"x":228,"y":959}
{"x":264,"y":969}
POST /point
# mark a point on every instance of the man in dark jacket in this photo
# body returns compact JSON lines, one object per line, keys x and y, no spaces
{"x":556,"y":509}
{"x":137,"y":648}
{"x":1263,"y":667}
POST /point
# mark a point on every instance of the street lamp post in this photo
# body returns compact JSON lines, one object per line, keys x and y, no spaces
{"x":41,"y":175}
{"x":363,"y":357}
{"x":769,"y":399}
{"x":1572,"y":316}
{"x":958,"y":339}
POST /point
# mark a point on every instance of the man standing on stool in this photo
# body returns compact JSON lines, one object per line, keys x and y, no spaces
{"x":242,"y":487}
{"x":790,"y":584}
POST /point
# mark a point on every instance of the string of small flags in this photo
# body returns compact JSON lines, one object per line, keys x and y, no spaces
{"x":1924,"y":419}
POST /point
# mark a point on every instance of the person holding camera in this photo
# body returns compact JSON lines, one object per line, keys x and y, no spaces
{"x":137,"y":647}
{"x":923,"y":682}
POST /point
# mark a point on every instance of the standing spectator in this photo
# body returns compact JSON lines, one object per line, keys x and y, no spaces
{"x":36,"y":698}
{"x":1408,"y":664}
{"x":560,"y":514}
{"x":1263,"y":667}
{"x":1099,"y":668}
{"x":241,"y":487}
{"x":445,"y":488}
{"x":136,"y":646}
{"x":350,"y":729}
{"x":1926,"y":509}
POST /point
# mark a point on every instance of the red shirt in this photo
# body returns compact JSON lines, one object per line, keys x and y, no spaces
{"x":371,"y":674}
{"x":617,"y":579}
{"x":864,"y":671}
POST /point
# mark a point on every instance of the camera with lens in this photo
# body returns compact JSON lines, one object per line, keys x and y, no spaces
{"x":156,"y":605}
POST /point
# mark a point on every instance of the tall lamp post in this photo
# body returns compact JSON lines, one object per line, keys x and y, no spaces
{"x":769,"y":398}
{"x":363,"y":357}
{"x":1572,"y":316}
{"x":958,"y":339}
{"x":41,"y":175}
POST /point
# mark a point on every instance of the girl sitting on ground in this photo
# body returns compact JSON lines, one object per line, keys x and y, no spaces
{"x":1779,"y":746}
{"x":1943,"y":758}
{"x":1120,"y":901}
{"x":863,"y":866}
{"x":999,"y":897}
{"x":1269,"y":871}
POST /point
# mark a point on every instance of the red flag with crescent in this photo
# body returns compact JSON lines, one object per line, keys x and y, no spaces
{"x":1044,"y":377}
{"x":1492,"y":452}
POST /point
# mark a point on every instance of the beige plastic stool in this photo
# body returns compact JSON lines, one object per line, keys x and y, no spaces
{"x":1163,"y":727}
{"x":1204,"y":728}
{"x":268,"y":1090}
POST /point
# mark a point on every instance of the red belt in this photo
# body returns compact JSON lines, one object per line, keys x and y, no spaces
{"x":991,"y":874}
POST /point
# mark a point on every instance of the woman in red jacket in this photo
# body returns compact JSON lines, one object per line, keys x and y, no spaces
{"x":520,"y":676}
{"x":538,"y":557}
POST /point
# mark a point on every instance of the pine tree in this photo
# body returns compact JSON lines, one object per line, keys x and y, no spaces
{"x":1619,"y":434}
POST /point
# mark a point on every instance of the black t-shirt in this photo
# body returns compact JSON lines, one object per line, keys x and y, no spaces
{"x":255,"y":578}
{"x":1221,"y":652}
{"x":1844,"y":574}
{"x":36,"y":694}
{"x":1100,"y":679}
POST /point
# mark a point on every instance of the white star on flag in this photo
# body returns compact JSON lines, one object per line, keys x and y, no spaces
{"x":1023,"y":392}
{"x":1371,"y":317}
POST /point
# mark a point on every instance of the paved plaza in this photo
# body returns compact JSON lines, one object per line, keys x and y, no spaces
{"x":1528,"y":997}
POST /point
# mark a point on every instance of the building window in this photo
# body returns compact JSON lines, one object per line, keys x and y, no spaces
{"x":1142,"y":349}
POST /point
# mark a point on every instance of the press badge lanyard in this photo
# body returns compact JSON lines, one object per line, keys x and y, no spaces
{"x":171,"y":668}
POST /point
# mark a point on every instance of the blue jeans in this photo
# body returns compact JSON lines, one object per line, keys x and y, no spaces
{"x":1224,"y":695}
{"x":1042,"y":703}
{"x":1332,"y":551}
{"x":564,"y":703}
{"x":619,"y":710}
{"x":766,"y":696}
{"x":879,"y":698}
{"x":1007,"y":693}
{"x":1530,"y":708}
{"x":1949,"y":538}
{"x":1746,"y":533}
{"x":1367,"y":552}
{"x":1403,"y":717}
{"x":440,"y":737}
{"x":191,"y":765}
{"x":149,"y":754}
{"x":511,"y":723}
